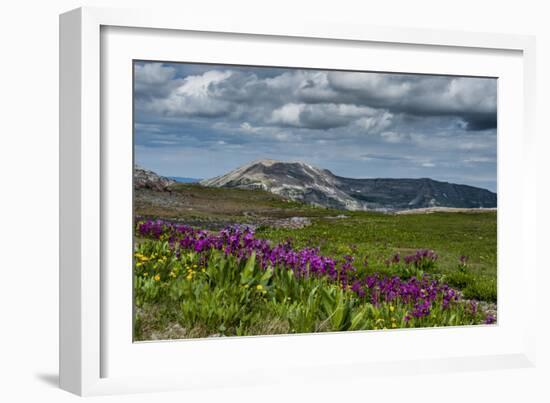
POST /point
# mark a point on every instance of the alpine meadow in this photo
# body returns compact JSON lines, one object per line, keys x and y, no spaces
{"x":274,"y":200}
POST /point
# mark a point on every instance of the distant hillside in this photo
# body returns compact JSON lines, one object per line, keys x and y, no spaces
{"x":303,"y":182}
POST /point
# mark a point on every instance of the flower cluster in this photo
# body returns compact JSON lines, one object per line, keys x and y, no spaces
{"x":422,"y":257}
{"x":419,"y":293}
{"x":239,"y":241}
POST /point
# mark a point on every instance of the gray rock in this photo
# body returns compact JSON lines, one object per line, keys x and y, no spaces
{"x":145,"y":179}
{"x":291,"y":223}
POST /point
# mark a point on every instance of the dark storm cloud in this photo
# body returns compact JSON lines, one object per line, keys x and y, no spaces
{"x":309,"y":98}
{"x":471,"y":99}
{"x":358,"y":124}
{"x":478,"y":122}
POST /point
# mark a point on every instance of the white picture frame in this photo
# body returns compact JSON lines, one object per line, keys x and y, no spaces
{"x":87,"y":179}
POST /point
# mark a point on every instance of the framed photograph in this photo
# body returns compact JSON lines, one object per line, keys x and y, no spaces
{"x":237,"y":200}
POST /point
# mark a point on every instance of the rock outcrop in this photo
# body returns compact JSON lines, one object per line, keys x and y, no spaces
{"x":145,"y":179}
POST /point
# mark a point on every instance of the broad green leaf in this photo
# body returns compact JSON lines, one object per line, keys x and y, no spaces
{"x":248,"y":272}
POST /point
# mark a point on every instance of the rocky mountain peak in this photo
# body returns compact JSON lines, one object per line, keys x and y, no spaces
{"x":297,"y":180}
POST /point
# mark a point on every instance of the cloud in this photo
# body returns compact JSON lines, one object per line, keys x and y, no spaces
{"x":393,"y":137}
{"x":316,"y":99}
{"x":480,"y":160}
{"x":326,"y":116}
{"x":153,"y":80}
{"x":356,"y":124}
{"x":471,"y":99}
{"x":193,"y":98}
{"x":383,"y":157}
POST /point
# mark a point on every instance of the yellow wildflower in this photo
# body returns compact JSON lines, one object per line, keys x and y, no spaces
{"x":157,"y":277}
{"x":392,"y":308}
{"x":259,"y":287}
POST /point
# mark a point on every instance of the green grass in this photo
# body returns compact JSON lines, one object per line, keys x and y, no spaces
{"x":368,"y":236}
{"x":376,"y":237}
{"x":195,"y":202}
{"x":224,"y":296}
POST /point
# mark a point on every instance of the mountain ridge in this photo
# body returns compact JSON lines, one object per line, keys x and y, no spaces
{"x":301,"y":181}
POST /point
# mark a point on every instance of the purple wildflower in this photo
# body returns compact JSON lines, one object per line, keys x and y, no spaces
{"x":240,"y":242}
{"x":490,"y":319}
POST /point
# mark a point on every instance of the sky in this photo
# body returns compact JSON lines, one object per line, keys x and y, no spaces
{"x":200,"y":121}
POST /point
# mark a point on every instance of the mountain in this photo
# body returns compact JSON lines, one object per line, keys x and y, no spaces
{"x":303,"y":182}
{"x":145,"y":179}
